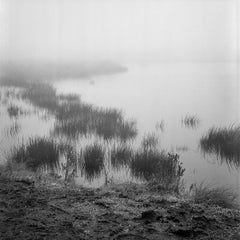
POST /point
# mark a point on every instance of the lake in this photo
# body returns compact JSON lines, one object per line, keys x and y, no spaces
{"x":160,"y":97}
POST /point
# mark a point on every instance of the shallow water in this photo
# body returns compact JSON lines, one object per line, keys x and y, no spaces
{"x":166,"y":93}
{"x":158,"y":97}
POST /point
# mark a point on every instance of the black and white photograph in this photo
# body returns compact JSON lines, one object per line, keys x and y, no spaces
{"x":119,"y":119}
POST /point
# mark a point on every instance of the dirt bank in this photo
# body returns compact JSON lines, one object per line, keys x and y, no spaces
{"x":39,"y":211}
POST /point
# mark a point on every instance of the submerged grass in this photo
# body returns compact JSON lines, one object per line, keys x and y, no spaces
{"x":37,"y":154}
{"x":93,"y":161}
{"x":225,"y":143}
{"x":13,"y":130}
{"x":75,"y":117}
{"x":220,"y":196}
{"x":41,"y":95}
{"x":79,"y":118}
{"x":15,"y":111}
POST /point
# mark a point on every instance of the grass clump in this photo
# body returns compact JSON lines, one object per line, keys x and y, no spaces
{"x":11,"y":169}
{"x":13,"y":130}
{"x":15,"y":111}
{"x":225,"y":143}
{"x":93,"y":161}
{"x":38,"y":153}
{"x":190,"y":121}
{"x":157,"y":167}
{"x":127,"y":130}
{"x":69,"y":97}
{"x":41,"y":95}
{"x":78,"y":118}
{"x":121,"y":156}
{"x":219,"y":196}
{"x":75,"y":117}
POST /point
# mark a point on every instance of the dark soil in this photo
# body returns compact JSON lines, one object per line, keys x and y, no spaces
{"x":37,"y":211}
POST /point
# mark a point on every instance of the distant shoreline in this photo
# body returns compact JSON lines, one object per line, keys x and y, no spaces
{"x":52,"y":71}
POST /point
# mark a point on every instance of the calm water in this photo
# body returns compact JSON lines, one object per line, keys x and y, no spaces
{"x":167,"y":93}
{"x":154,"y":94}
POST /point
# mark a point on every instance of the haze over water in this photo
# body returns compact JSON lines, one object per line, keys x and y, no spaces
{"x":181,"y":56}
{"x":167,"y":93}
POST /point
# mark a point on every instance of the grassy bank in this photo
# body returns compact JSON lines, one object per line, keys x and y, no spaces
{"x":54,"y":211}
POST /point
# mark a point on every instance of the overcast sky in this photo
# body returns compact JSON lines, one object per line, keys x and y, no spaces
{"x":134,"y":30}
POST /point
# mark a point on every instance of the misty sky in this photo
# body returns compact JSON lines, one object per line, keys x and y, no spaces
{"x":165,"y":30}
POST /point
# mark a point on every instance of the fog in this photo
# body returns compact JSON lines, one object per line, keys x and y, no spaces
{"x":126,"y":30}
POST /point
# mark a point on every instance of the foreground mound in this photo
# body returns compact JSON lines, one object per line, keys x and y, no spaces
{"x":37,"y":211}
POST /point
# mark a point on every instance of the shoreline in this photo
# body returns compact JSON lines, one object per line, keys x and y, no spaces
{"x":52,"y":210}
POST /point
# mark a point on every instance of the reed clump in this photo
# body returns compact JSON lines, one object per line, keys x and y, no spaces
{"x":121,"y":156}
{"x":225,"y":143}
{"x":78,"y":118}
{"x":156,"y":166}
{"x":38,"y":153}
{"x":190,"y":121}
{"x":93,"y":161}
{"x":41,"y":95}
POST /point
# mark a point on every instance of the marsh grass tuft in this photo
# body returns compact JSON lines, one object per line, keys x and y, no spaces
{"x":93,"y":161}
{"x":121,"y":156}
{"x":41,"y":95}
{"x":37,"y":154}
{"x":190,"y":121}
{"x":155,"y":166}
{"x":69,"y":97}
{"x":75,"y":117}
{"x":15,"y":111}
{"x":13,"y":130}
{"x":220,"y":196}
{"x":225,"y":143}
{"x":149,"y":142}
{"x":78,"y":118}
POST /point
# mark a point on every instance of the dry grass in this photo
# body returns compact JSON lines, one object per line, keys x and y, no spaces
{"x":220,"y":196}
